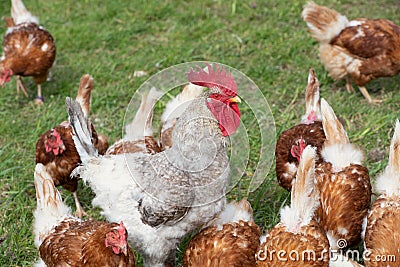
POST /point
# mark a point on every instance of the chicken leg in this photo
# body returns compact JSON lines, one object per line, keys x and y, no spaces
{"x":39,"y":100}
{"x":79,"y":210}
{"x":365,"y":93}
{"x":21,"y":86}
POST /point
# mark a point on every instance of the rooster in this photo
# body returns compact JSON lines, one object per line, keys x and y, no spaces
{"x":343,"y":183}
{"x":360,"y":49}
{"x":139,"y":133}
{"x":64,"y":240}
{"x":56,"y":150}
{"x":174,"y":109}
{"x":163,"y":197}
{"x":297,"y":231}
{"x":231,"y":239}
{"x":382,"y":237}
{"x":292,"y":142}
{"x":28,"y":50}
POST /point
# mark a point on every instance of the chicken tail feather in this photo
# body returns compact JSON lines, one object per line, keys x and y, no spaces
{"x":234,"y":212}
{"x":83,"y":97}
{"x":20,"y":14}
{"x":176,"y":106}
{"x":333,"y":128}
{"x":304,"y":197}
{"x":82,"y":133}
{"x":50,"y":206}
{"x":324,"y":23}
{"x":313,"y":103}
{"x":142,"y":123}
{"x":389,"y":181}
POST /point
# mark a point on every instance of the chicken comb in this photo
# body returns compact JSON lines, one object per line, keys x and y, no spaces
{"x":121,"y":228}
{"x":219,"y":78}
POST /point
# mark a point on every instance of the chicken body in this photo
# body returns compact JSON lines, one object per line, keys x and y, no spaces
{"x":64,"y":240}
{"x":382,"y":236}
{"x":292,"y":141}
{"x":163,"y":197}
{"x":344,"y":184}
{"x":360,"y":49}
{"x":56,"y":150}
{"x":28,"y":49}
{"x":231,"y":239}
{"x":298,"y":232}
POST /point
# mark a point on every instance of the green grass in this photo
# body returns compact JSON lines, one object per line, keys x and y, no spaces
{"x":266,"y":40}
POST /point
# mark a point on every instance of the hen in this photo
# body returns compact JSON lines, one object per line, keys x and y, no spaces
{"x":343,"y":183}
{"x":292,"y":142}
{"x":382,"y":237}
{"x":28,"y":50}
{"x":64,"y":240}
{"x":174,"y":109}
{"x":298,"y":231}
{"x":360,"y":49}
{"x":163,"y":197}
{"x":56,"y":150}
{"x":230,"y":240}
{"x":139,"y":133}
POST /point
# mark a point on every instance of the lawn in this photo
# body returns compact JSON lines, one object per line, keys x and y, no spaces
{"x":266,"y":40}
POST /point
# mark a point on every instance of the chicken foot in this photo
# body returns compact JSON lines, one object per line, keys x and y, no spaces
{"x":21,"y":86}
{"x":79,"y":210}
{"x":365,"y":93}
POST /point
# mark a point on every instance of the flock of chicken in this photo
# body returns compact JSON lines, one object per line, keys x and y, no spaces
{"x":155,"y":193}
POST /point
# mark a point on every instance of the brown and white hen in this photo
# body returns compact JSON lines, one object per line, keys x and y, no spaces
{"x":56,"y":150}
{"x":292,"y":142}
{"x":343,"y":183}
{"x":28,"y":50}
{"x":382,"y":237}
{"x":360,"y":49}
{"x":64,"y":240}
{"x":298,"y":232}
{"x":229,"y":240}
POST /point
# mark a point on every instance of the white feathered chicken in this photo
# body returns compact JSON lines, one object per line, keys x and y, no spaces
{"x":163,"y":197}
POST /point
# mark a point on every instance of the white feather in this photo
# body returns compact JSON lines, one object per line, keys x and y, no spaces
{"x":389,"y":181}
{"x":342,"y":155}
{"x":20,"y":14}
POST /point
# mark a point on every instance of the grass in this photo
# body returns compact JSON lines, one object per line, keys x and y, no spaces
{"x":266,"y":40}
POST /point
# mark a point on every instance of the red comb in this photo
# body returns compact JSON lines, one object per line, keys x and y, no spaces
{"x":219,"y":78}
{"x":121,"y":229}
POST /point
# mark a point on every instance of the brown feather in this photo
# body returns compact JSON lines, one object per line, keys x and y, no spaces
{"x":310,"y":238}
{"x":313,"y":134}
{"x":75,"y":243}
{"x":24,"y":51}
{"x":234,"y":245}
{"x":345,"y":199}
{"x":382,"y":237}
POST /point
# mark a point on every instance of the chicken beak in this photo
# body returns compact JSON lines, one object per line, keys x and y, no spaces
{"x":124,"y":250}
{"x":235,"y":99}
{"x":62,"y":147}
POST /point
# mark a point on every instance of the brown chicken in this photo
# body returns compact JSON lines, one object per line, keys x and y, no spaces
{"x":28,"y":50}
{"x":343,"y":183}
{"x":292,"y":142}
{"x":382,"y":237}
{"x":230,"y":240}
{"x":64,"y":240}
{"x":298,"y":240}
{"x":360,"y":49}
{"x":174,"y":108}
{"x":56,"y":150}
{"x":139,"y":133}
